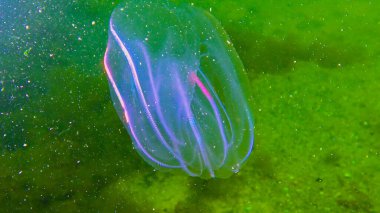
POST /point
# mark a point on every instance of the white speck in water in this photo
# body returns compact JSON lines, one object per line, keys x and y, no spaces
{"x":236,"y":168}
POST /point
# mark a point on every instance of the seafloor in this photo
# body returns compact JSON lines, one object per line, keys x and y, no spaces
{"x":314,"y":70}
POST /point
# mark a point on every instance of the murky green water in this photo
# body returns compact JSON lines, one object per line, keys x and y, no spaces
{"x":314,"y":72}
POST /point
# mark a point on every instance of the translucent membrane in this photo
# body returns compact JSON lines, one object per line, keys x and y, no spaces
{"x":179,"y":87}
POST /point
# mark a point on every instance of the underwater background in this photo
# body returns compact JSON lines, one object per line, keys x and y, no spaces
{"x":314,"y":72}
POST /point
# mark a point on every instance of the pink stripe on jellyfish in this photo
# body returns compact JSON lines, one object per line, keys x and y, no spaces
{"x":110,"y":77}
{"x":195,"y":79}
{"x":125,"y":112}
